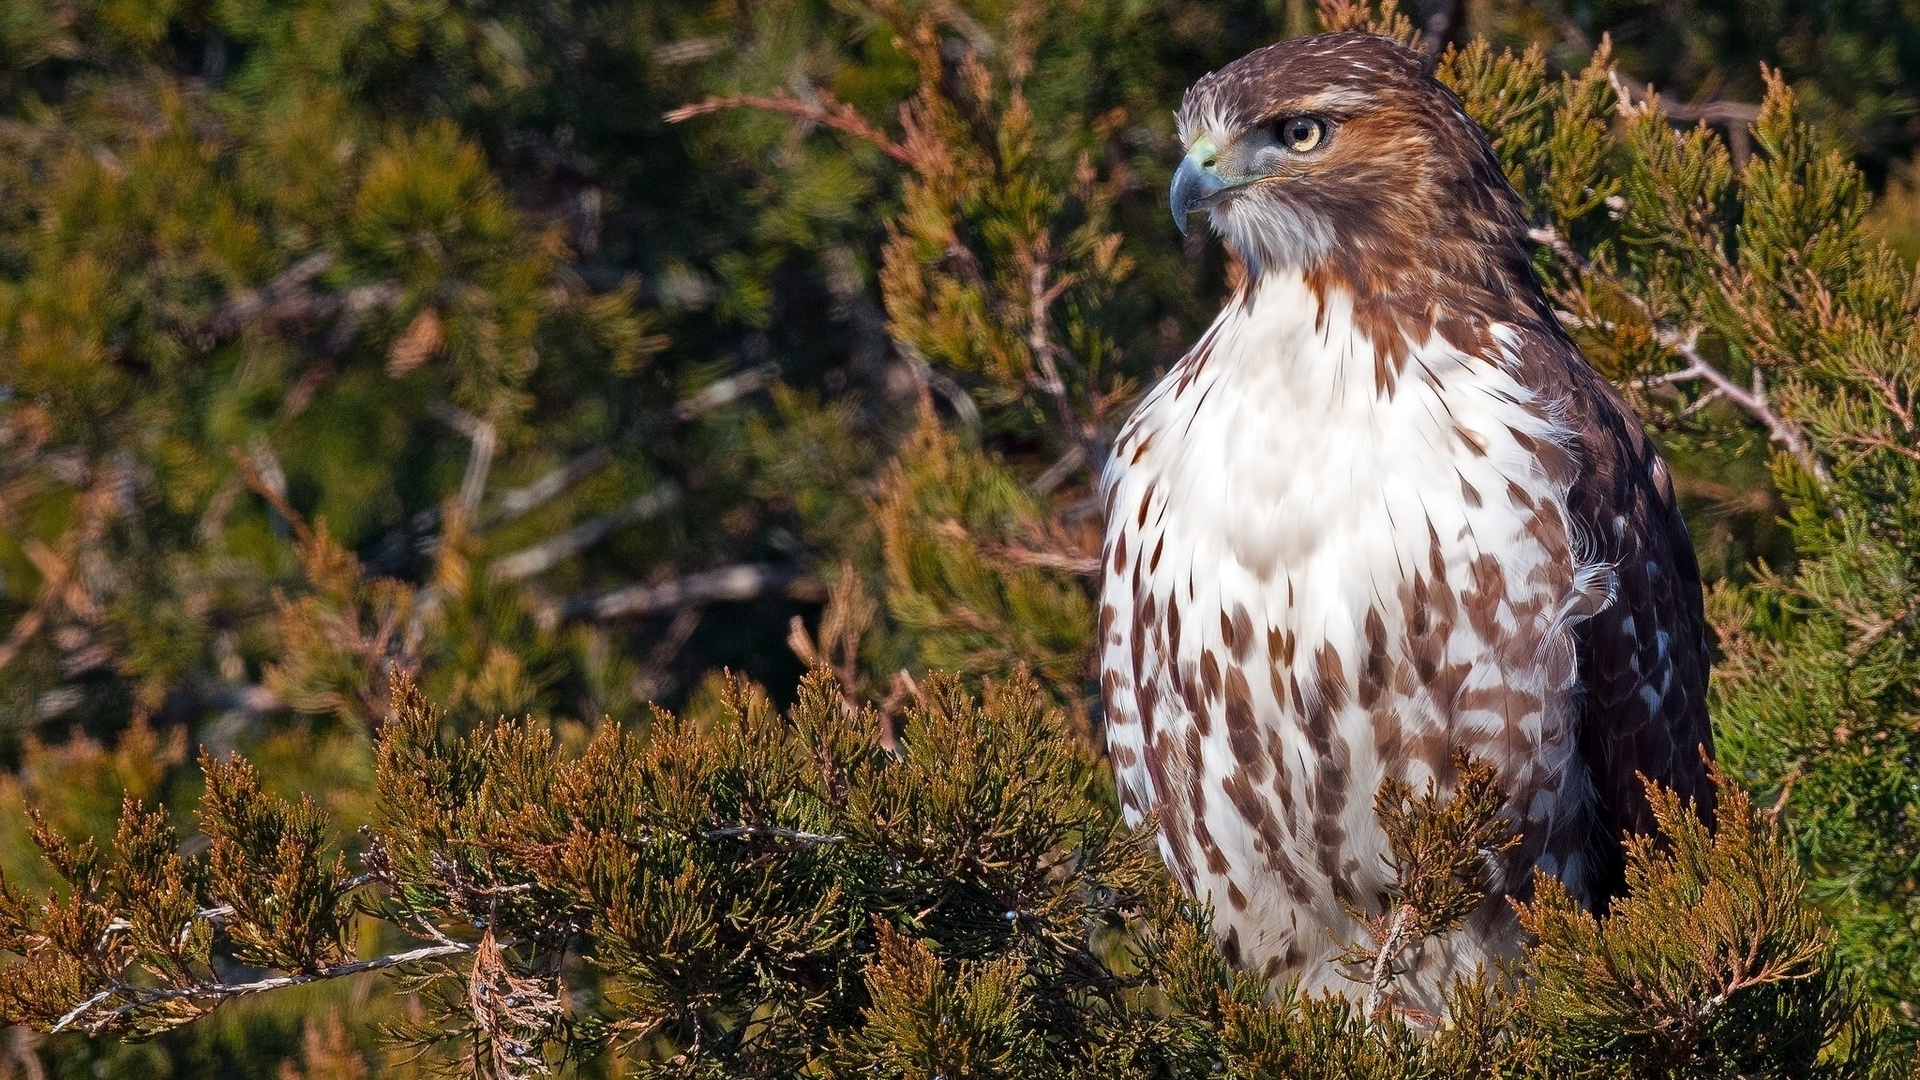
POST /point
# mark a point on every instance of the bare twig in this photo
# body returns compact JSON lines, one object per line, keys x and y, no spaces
{"x":1399,"y":935}
{"x":1057,"y":473}
{"x":773,"y":832}
{"x":934,"y":381}
{"x":1082,"y":565}
{"x":1735,"y":118}
{"x":59,"y":567}
{"x":1751,"y":399}
{"x":515,"y":503}
{"x":484,"y":436}
{"x":747,"y":581}
{"x":286,"y":287}
{"x":75,"y":1013}
{"x":251,"y":474}
{"x":1040,"y":299}
{"x":355,"y":303}
{"x":216,"y":992}
{"x":830,"y":113}
{"x":652,"y":678}
{"x":1437,"y":30}
{"x":549,"y":553}
{"x":731,"y":388}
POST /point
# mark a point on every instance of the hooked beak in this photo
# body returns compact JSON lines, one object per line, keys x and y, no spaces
{"x":1194,"y":184}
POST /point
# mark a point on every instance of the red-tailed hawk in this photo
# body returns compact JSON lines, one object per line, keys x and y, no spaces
{"x":1383,"y":510}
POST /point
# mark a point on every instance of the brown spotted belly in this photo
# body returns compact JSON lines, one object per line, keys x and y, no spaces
{"x":1258,"y":716}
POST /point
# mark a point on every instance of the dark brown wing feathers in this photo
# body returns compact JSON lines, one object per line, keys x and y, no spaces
{"x":1643,"y":659}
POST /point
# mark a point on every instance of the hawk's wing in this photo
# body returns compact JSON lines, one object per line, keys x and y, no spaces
{"x":1643,"y":658}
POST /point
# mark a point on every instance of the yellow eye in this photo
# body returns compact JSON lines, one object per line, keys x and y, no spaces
{"x":1302,"y":133}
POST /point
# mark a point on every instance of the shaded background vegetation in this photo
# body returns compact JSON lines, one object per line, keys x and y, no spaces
{"x":340,"y":338}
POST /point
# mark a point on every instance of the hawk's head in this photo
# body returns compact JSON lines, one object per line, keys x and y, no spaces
{"x":1341,"y":148}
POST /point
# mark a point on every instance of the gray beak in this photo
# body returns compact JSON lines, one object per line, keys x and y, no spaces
{"x":1193,"y":185}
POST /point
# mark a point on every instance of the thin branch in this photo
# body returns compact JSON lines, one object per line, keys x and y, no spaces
{"x":285,"y":287}
{"x":1082,"y":565}
{"x":50,"y":590}
{"x":1398,"y":935}
{"x":771,"y":831}
{"x":1437,"y":31}
{"x":75,"y":1013}
{"x":1753,"y":400}
{"x":1735,"y":118}
{"x":59,"y":568}
{"x":482,"y":437}
{"x":415,"y":535}
{"x":1041,"y":296}
{"x":515,"y":503}
{"x":217,"y":992}
{"x":1057,"y":473}
{"x":965,"y":409}
{"x":549,"y":553}
{"x":731,"y":388}
{"x":747,"y":581}
{"x":1701,"y":402}
{"x":251,"y":474}
{"x":831,"y":113}
{"x":652,"y":679}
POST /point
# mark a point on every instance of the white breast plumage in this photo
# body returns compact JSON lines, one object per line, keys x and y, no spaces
{"x":1313,"y":582}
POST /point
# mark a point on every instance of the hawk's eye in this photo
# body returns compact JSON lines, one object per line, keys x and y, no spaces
{"x":1301,"y":133}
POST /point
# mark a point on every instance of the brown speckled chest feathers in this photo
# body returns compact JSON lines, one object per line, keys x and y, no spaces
{"x":1381,"y":512}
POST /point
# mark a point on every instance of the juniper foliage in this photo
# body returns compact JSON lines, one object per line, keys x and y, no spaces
{"x":752,"y":892}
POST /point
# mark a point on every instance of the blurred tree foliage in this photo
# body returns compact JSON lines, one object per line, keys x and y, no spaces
{"x":347,"y":341}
